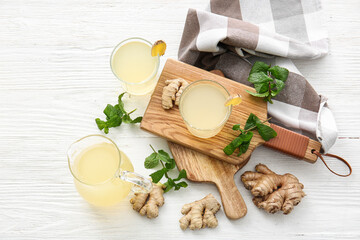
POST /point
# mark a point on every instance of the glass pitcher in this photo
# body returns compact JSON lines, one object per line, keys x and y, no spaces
{"x":103,"y":175}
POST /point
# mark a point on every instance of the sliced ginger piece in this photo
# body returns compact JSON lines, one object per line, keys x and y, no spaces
{"x":158,"y":48}
{"x":148,"y":203}
{"x":233,"y":100}
{"x":172,"y":92}
{"x":200,"y":214}
{"x":271,"y":191}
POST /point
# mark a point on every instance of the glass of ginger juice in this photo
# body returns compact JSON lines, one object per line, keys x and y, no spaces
{"x":202,"y":107}
{"x":132,"y":63}
{"x":103,"y":175}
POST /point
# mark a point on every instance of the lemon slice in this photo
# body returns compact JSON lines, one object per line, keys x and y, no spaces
{"x":234,"y":100}
{"x":158,"y":48}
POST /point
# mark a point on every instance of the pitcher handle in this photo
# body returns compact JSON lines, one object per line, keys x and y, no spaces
{"x":142,"y":184}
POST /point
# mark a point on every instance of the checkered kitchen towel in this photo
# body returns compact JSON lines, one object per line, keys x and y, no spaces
{"x":232,"y":34}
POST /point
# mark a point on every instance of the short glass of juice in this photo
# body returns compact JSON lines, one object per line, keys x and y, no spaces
{"x":132,"y":63}
{"x":202,"y":107}
{"x":103,"y":175}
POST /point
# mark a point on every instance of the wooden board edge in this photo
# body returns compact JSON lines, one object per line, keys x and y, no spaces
{"x":309,"y":156}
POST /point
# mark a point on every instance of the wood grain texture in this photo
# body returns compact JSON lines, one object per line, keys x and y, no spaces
{"x":55,"y":79}
{"x":202,"y":168}
{"x":170,"y":125}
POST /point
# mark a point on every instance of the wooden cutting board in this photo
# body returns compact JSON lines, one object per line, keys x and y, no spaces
{"x":202,"y":168}
{"x":170,"y":125}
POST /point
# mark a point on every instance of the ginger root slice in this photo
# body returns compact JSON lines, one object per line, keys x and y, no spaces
{"x":200,"y":214}
{"x":148,"y":203}
{"x":172,"y":92}
{"x":271,"y":191}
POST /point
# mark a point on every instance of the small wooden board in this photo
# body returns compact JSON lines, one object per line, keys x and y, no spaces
{"x":202,"y":168}
{"x":170,"y":125}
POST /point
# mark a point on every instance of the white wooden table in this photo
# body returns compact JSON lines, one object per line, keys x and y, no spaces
{"x":55,"y":79}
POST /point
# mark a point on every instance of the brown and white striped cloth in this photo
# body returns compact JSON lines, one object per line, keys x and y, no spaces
{"x":230,"y":35}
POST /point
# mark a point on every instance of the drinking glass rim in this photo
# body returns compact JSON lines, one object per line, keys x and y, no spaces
{"x":133,"y":39}
{"x":100,"y":183}
{"x":227,"y":114}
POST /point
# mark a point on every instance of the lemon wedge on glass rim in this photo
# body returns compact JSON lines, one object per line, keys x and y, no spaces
{"x":158,"y":48}
{"x":233,"y":100}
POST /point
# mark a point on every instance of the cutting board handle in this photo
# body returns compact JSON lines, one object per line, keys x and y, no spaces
{"x":293,"y":143}
{"x":233,"y":203}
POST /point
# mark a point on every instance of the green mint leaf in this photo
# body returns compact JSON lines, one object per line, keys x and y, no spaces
{"x":265,"y":94}
{"x":106,"y":130}
{"x":279,"y":73}
{"x":258,"y":78}
{"x":121,"y":104}
{"x":229,"y":149}
{"x":118,"y":110}
{"x":127,"y":118}
{"x":170,"y":165}
{"x":182,"y":174}
{"x":110,"y":111}
{"x":279,"y":86}
{"x":136,"y":120}
{"x":168,"y":188}
{"x":274,"y":93}
{"x":151,"y":161}
{"x":237,"y":141}
{"x":247,"y":136}
{"x":266,"y":132}
{"x":100,"y":123}
{"x":236,"y":127}
{"x":259,"y":67}
{"x":163,"y":156}
{"x":158,"y":175}
{"x":261,"y":87}
{"x":114,"y":121}
{"x":251,"y":121}
{"x":169,"y":185}
{"x":243,"y":148}
{"x":182,"y":184}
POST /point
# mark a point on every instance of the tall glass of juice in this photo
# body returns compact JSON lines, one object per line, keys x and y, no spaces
{"x":202,"y":107}
{"x":103,"y":175}
{"x":132,"y":63}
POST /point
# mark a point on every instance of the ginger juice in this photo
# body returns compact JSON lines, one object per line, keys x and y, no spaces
{"x":96,"y":168}
{"x":202,"y":106}
{"x":133,"y":65}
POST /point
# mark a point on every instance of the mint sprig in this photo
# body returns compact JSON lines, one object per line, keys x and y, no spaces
{"x":167,"y":164}
{"x":115,"y":115}
{"x":242,"y":142}
{"x":268,"y":81}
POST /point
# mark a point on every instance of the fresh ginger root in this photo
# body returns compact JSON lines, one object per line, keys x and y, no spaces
{"x":172,"y":92}
{"x":200,"y":214}
{"x":271,"y":191}
{"x":148,"y":203}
